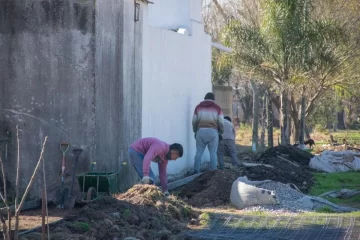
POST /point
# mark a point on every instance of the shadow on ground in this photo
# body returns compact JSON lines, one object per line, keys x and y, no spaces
{"x":279,"y":228}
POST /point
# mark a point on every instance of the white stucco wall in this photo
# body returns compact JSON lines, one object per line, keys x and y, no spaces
{"x":174,"y":14}
{"x":176,"y":77}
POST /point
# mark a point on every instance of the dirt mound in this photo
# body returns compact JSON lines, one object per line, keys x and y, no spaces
{"x":288,"y":152}
{"x":210,"y":189}
{"x":290,"y":165}
{"x":142,"y":212}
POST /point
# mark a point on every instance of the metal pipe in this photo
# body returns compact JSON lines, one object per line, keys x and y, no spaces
{"x":221,"y":47}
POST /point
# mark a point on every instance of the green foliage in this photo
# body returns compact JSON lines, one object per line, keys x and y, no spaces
{"x":222,"y":67}
{"x":354,"y":125}
{"x":324,"y":112}
{"x":205,"y":219}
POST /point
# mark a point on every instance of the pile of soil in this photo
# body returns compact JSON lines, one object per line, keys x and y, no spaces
{"x":289,"y":152}
{"x":210,"y":189}
{"x":142,"y":212}
{"x":290,"y":165}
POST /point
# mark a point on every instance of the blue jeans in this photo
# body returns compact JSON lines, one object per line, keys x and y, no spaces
{"x":206,"y":137}
{"x":137,"y":160}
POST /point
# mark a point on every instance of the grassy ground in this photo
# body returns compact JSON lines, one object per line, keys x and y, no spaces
{"x":244,"y":134}
{"x":325,"y":182}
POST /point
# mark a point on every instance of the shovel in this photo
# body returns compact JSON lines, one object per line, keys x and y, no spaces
{"x":70,"y":201}
{"x":62,"y":192}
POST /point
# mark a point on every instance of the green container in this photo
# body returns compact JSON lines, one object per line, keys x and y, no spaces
{"x":103,"y":182}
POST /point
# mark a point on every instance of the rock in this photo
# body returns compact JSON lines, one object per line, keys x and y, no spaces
{"x":131,"y":238}
{"x":116,"y":214}
{"x":194,"y":221}
{"x":115,"y":228}
{"x":108,"y":222}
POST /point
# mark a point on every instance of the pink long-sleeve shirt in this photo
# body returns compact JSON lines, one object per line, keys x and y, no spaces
{"x":154,"y":150}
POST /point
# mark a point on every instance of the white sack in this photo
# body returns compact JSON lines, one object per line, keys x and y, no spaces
{"x":245,"y":195}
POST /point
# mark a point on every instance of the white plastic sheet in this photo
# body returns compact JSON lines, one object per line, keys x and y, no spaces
{"x":330,"y":161}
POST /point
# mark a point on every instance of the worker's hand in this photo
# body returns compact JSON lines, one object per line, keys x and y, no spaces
{"x":146,"y":180}
{"x":166,"y":193}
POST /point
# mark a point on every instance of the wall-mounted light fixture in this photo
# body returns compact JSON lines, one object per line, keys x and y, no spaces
{"x":137,"y":12}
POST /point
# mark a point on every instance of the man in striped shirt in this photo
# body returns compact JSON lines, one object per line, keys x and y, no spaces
{"x":208,"y":124}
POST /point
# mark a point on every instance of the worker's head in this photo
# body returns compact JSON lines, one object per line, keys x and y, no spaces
{"x":210,"y":96}
{"x":176,"y":151}
{"x":227,"y":118}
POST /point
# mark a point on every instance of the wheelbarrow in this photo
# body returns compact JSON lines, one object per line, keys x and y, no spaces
{"x":95,"y":185}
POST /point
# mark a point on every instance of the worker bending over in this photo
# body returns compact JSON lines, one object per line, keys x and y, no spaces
{"x":147,"y":150}
{"x":227,"y":144}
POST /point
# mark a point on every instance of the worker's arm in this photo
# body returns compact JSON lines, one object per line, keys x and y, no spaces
{"x":163,"y":176}
{"x":150,"y":155}
{"x":220,"y":122}
{"x":195,"y":121}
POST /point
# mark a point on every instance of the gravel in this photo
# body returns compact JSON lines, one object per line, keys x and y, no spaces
{"x":288,"y":200}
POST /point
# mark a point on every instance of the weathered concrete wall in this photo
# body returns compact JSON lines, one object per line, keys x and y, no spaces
{"x":62,"y":74}
{"x":131,"y":92}
{"x":176,"y":77}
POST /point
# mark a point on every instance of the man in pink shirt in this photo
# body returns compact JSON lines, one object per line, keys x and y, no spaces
{"x":147,"y":150}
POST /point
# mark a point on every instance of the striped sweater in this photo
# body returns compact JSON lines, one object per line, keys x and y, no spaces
{"x":208,"y":115}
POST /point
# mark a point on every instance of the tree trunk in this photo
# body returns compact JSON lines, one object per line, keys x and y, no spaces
{"x":284,"y":123}
{"x":341,"y":120}
{"x":263,"y":124}
{"x":269,"y":120}
{"x":307,"y":132}
{"x":255,"y":125}
{"x":335,"y":122}
{"x":297,"y":127}
{"x":302,"y":120}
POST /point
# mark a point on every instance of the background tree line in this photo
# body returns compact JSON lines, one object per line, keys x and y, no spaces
{"x":299,"y":55}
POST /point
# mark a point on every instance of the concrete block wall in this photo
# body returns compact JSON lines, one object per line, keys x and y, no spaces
{"x":65,"y":74}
